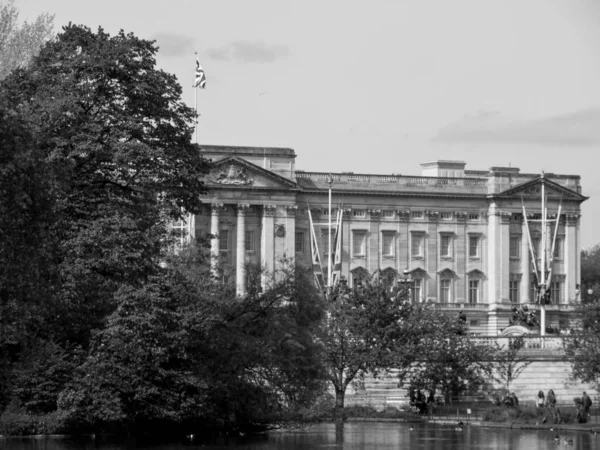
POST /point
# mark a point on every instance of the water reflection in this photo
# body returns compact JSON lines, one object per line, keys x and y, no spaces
{"x":349,"y":436}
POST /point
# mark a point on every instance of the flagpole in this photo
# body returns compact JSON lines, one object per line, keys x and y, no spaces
{"x":196,"y":108}
{"x":330,"y":181}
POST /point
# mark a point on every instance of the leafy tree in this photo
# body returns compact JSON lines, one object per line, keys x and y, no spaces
{"x":102,"y":161}
{"x":582,"y":347}
{"x":19,"y":44}
{"x":590,"y":274}
{"x":363,"y":325}
{"x":510,"y":361}
{"x":443,"y":356}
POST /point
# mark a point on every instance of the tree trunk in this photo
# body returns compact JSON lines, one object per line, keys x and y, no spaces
{"x":339,"y":402}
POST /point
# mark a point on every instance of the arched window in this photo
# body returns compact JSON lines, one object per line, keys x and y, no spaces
{"x":446,"y":279}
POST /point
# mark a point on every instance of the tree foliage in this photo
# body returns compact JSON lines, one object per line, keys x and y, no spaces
{"x":590,"y":274}
{"x":582,"y":347}
{"x":510,"y":361}
{"x":20,"y":43}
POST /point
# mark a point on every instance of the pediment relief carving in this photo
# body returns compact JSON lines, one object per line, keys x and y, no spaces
{"x":233,"y":174}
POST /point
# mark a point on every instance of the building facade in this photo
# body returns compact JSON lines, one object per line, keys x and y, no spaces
{"x":460,"y":234}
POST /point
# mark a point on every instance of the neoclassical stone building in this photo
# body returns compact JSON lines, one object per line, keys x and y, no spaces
{"x":459,"y":233}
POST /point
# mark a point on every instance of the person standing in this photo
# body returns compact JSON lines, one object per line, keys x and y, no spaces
{"x":551,"y":405}
{"x":586,"y":404}
{"x":540,"y":399}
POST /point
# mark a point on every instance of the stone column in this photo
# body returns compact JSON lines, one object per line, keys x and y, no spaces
{"x":266,"y":244}
{"x":240,"y":251}
{"x":214,"y":231}
{"x":571,"y":252}
{"x":290,"y":234}
{"x":498,"y":263}
{"x":525,"y":267}
{"x":431,"y":255}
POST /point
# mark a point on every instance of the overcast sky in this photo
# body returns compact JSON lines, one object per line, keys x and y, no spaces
{"x":381,"y":86}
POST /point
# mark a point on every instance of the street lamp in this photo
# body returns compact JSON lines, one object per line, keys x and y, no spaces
{"x":406,"y":282}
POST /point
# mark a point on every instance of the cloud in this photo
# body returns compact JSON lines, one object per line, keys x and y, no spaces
{"x":579,"y":128}
{"x":245,"y":51}
{"x":174,"y":44}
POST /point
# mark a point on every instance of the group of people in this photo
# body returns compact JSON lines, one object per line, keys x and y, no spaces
{"x":548,"y":402}
{"x":420,"y":402}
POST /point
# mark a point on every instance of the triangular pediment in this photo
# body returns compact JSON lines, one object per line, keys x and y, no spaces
{"x":533,"y":190}
{"x":234,"y":172}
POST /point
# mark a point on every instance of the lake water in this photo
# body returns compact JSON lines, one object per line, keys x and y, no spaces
{"x":349,"y":436}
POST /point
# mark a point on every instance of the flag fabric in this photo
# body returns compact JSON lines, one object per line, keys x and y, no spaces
{"x":200,"y":80}
{"x":316,"y":258}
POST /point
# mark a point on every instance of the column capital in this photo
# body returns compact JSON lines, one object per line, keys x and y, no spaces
{"x":269,"y":210}
{"x":216,"y":207}
{"x":242,"y":208}
{"x":505,"y":217}
{"x":571,"y":219}
{"x":291,"y":210}
{"x":461,"y":216}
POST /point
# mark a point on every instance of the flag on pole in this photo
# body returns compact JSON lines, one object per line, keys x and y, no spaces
{"x":316,"y":258}
{"x":200,"y":80}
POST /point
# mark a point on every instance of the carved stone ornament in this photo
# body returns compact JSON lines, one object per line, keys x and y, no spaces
{"x":269,"y":210}
{"x":243,"y":208}
{"x":280,"y":230}
{"x":347,"y":212}
{"x":505,"y":217}
{"x":233,"y":175}
{"x":216,"y":207}
{"x":461,"y":216}
{"x":403,"y":215}
{"x":375,"y":213}
{"x":571,"y":219}
{"x":291,"y":209}
{"x":433,"y":216}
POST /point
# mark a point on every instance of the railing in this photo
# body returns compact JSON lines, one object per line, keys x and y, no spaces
{"x":394,"y":179}
{"x":530,"y":342}
{"x":461,"y":305}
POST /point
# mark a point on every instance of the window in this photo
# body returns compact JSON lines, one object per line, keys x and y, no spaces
{"x":558,"y":248}
{"x":514,"y":289}
{"x":446,"y":246}
{"x":515,"y":247}
{"x":556,"y":292}
{"x":446,"y":216}
{"x":389,"y":214}
{"x":358,"y":212}
{"x":473,"y":291}
{"x":359,"y":241}
{"x":299,"y":241}
{"x":250,"y":243}
{"x":416,"y":290}
{"x":416,"y":248}
{"x":474,"y":247}
{"x":445,"y":290}
{"x":179,"y":231}
{"x":224,"y":241}
{"x":473,"y":216}
{"x":417,"y":214}
{"x":535,"y":243}
{"x":387,"y":243}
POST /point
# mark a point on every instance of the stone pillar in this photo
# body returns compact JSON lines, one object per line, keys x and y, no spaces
{"x":266,"y":244}
{"x":240,"y":250}
{"x":498,"y":262}
{"x":432,"y":258}
{"x":525,"y":267}
{"x":290,"y":234}
{"x":571,"y":255}
{"x":214,"y":231}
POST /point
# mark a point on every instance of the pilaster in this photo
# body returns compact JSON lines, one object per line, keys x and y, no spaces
{"x":267,"y":253}
{"x":240,"y":251}
{"x":215,"y":209}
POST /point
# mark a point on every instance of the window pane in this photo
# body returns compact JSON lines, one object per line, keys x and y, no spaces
{"x":515,"y":244}
{"x":416,"y":291}
{"x":558,"y":248}
{"x":388,"y":244}
{"x":249,"y":241}
{"x":514,"y":289}
{"x":446,"y":246}
{"x":299,"y":242}
{"x":417,"y":245}
{"x":445,"y":291}
{"x":473,"y":291}
{"x":224,"y":240}
{"x":474,"y":246}
{"x":358,"y":239}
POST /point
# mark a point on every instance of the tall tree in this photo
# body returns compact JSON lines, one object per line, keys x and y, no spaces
{"x":363,"y":324}
{"x":110,"y":140}
{"x":590,"y":274}
{"x":582,"y":347}
{"x":20,"y":43}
